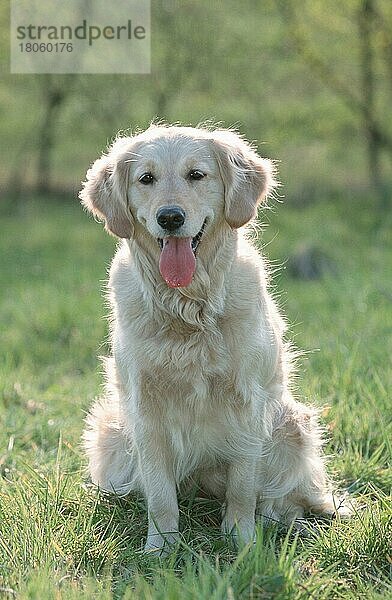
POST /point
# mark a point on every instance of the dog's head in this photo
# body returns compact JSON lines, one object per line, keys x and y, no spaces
{"x":177,"y":183}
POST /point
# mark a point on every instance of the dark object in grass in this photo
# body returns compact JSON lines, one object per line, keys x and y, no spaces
{"x":310,"y":262}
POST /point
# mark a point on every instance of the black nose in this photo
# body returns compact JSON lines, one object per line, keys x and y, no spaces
{"x":170,"y":217}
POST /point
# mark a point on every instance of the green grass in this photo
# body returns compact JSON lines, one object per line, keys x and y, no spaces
{"x":60,"y":539}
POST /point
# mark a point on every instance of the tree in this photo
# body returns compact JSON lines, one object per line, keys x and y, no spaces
{"x":360,"y":94}
{"x":54,"y":91}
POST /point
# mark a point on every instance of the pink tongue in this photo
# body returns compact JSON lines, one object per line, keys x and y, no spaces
{"x":177,"y":263}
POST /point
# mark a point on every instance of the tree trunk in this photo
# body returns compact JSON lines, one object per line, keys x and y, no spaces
{"x":54,"y":97}
{"x":373,"y":142}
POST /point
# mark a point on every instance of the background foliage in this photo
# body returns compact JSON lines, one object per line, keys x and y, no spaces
{"x":312,"y":81}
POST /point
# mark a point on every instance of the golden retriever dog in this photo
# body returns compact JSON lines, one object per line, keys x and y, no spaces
{"x":198,"y":384}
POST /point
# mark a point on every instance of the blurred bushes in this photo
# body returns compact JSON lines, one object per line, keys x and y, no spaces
{"x":271,"y":68}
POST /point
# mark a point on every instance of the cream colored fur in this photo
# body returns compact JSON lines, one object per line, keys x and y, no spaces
{"x":198,"y":384}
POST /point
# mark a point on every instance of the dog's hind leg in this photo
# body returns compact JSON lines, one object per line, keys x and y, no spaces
{"x":293,"y":476}
{"x":112,"y":458}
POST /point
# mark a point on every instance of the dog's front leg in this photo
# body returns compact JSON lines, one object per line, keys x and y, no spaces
{"x":160,"y":492}
{"x":162,"y":516}
{"x":239,"y":518}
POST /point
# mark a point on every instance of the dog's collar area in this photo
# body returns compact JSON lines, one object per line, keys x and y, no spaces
{"x":195,"y":240}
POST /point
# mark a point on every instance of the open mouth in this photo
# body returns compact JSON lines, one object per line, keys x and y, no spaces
{"x":177,"y":263}
{"x":195,"y":240}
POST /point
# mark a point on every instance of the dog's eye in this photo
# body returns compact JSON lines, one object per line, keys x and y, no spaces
{"x":146,"y":178}
{"x":195,"y":175}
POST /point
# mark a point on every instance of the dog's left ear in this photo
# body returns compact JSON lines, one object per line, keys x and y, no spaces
{"x":247,"y":177}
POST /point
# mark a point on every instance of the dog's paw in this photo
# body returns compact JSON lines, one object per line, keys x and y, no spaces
{"x":239,"y":533}
{"x":161,"y":544}
{"x":346,"y":506}
{"x":340,"y":506}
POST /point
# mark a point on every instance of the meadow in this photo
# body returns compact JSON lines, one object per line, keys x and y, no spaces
{"x":59,"y":538}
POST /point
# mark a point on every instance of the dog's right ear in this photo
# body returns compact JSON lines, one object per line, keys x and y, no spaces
{"x":105,"y":194}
